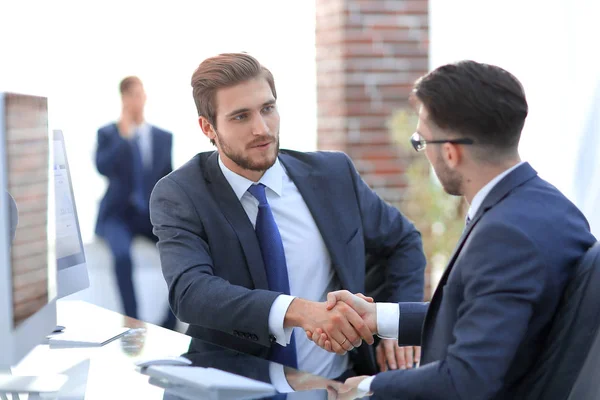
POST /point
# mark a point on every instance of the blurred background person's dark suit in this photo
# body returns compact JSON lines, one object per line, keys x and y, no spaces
{"x":133,"y":155}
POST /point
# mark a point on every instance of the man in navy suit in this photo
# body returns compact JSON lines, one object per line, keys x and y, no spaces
{"x":486,"y":323}
{"x":252,"y":238}
{"x":133,"y":155}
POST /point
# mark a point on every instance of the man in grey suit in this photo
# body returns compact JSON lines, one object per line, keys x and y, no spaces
{"x":252,"y":238}
{"x":486,"y":323}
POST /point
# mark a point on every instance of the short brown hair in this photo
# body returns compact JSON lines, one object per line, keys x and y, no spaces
{"x":223,"y":71}
{"x":128,"y":82}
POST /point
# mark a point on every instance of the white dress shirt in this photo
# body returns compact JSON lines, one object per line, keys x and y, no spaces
{"x":310,"y":273}
{"x":388,"y":314}
{"x":144,"y":134}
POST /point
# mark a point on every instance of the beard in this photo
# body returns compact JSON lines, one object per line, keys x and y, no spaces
{"x":451,"y":180}
{"x":244,"y":160}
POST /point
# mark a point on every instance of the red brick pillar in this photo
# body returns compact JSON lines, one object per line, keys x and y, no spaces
{"x":369,"y":53}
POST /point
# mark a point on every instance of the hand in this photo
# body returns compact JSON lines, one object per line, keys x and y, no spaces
{"x":303,"y":381}
{"x":342,"y":325}
{"x":389,"y":354}
{"x":363,"y":305}
{"x":342,"y":299}
{"x":125,"y":125}
{"x":349,"y":390}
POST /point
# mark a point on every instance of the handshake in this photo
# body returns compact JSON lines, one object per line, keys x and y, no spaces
{"x":343,"y":322}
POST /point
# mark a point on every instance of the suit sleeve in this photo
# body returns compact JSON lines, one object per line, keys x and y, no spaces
{"x":392,"y":238}
{"x":111,"y":150}
{"x":410,"y":323}
{"x":196,"y":295}
{"x":502,"y":281}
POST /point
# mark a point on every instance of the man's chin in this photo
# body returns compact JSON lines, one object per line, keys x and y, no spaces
{"x":263,"y":166}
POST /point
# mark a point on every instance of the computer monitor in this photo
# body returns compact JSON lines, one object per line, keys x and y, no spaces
{"x":72,"y":274}
{"x":28,"y":265}
{"x":27,"y":257}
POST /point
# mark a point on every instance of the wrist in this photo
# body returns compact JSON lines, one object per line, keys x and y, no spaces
{"x":294,"y":316}
{"x":371,"y":319}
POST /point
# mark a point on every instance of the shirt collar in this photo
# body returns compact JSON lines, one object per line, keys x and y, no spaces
{"x":142,"y":129}
{"x":272,"y":178}
{"x":484,"y":191}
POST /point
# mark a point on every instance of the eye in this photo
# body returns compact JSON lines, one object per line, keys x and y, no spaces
{"x":240,"y":117}
{"x":269,"y":108}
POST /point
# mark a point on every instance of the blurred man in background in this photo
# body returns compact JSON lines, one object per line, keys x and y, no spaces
{"x":133,"y":155}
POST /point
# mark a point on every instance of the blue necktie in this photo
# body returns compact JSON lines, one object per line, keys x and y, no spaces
{"x":271,"y":248}
{"x":139,"y":196}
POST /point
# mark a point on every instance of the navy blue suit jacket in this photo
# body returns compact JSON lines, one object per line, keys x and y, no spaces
{"x":487,"y":320}
{"x":114,"y":160}
{"x":211,"y":258}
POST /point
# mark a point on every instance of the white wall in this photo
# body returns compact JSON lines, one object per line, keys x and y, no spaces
{"x":552,"y":47}
{"x":77,"y":52}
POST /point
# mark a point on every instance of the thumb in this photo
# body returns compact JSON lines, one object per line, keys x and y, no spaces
{"x":331,"y":300}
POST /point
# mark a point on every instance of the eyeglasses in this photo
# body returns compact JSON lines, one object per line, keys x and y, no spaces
{"x":419,"y":144}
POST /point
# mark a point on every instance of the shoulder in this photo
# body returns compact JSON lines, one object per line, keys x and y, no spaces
{"x":108,"y":129}
{"x":535,"y":217}
{"x":161,"y":132}
{"x":536,"y":207}
{"x":321,"y":160}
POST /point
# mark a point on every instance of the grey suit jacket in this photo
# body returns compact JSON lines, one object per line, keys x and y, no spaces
{"x":211,"y":258}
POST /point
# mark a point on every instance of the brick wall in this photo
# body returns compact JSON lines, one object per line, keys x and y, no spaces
{"x":27,"y":170}
{"x":369,"y":53}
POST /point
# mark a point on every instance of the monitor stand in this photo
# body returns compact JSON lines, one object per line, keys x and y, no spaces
{"x":35,"y":386}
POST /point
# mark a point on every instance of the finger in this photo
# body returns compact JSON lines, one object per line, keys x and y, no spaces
{"x":315,"y":337}
{"x":331,"y":393}
{"x":418,"y":355}
{"x":336,"y":337}
{"x":322,"y":340}
{"x":366,"y":298}
{"x":360,"y":327}
{"x":352,"y":337}
{"x":389,"y":347}
{"x":319,"y":339}
{"x":340,"y":295}
{"x":380,"y":356}
{"x":309,"y":335}
{"x":331,"y":300}
{"x":328,"y":346}
{"x":337,"y":348}
{"x":408,"y":356}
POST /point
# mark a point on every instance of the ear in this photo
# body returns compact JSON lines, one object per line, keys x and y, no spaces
{"x":452,"y":155}
{"x":207,"y":128}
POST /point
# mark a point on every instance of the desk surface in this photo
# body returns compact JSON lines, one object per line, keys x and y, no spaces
{"x":109,"y":372}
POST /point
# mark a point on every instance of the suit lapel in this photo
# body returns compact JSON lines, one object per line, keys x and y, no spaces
{"x":514,"y":179}
{"x":316,"y":193}
{"x":237,"y":218}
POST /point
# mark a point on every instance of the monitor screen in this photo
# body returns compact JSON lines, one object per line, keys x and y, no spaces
{"x":69,"y":246}
{"x":30,"y":199}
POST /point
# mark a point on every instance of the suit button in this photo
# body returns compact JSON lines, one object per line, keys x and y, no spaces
{"x":272,"y":338}
{"x":255,"y":338}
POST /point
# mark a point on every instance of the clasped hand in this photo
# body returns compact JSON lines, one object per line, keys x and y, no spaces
{"x":348,"y":306}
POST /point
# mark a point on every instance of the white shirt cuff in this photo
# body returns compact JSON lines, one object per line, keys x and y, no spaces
{"x":388,"y":317}
{"x":278,"y":379}
{"x":364,"y":387}
{"x":276,"y":318}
